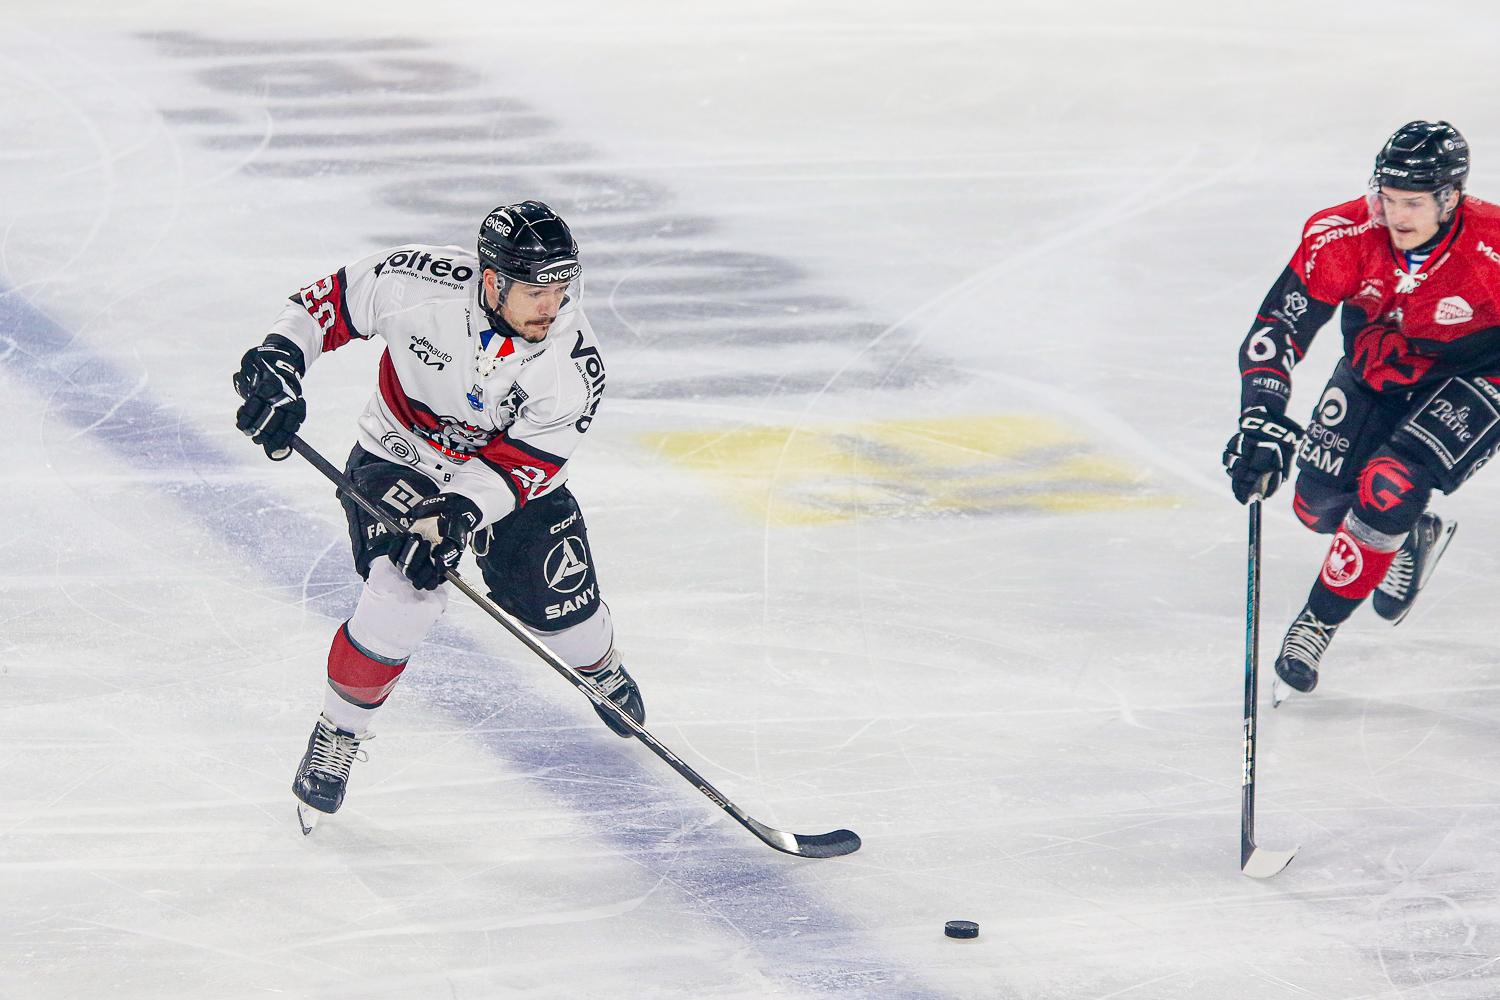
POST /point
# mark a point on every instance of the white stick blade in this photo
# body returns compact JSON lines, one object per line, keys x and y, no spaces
{"x":1264,"y":864}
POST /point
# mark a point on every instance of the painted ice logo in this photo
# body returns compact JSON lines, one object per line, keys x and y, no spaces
{"x":1344,"y":561}
{"x":1452,"y":311}
{"x":566,"y":566}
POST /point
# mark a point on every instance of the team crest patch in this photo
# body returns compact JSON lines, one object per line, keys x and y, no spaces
{"x":1344,"y":563}
{"x":1452,"y":311}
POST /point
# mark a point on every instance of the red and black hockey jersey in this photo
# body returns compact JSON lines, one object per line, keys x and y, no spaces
{"x":1402,"y":329}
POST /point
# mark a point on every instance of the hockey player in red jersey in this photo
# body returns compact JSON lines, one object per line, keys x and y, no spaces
{"x":490,"y":378}
{"x":1413,"y":405}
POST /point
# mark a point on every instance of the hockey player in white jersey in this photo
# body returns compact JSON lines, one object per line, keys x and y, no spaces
{"x":490,"y":378}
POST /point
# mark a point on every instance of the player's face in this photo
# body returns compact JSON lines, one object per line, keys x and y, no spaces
{"x":529,"y":309}
{"x":1412,"y":216}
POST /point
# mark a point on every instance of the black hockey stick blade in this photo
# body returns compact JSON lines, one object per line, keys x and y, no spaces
{"x":1263,"y":863}
{"x":818,"y":845}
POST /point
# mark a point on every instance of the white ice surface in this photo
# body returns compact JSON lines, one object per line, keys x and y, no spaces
{"x":969,"y":215}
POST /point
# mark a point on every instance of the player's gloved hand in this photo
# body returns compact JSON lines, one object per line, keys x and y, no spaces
{"x":270,"y":383}
{"x":439,"y":532}
{"x":1260,"y":454}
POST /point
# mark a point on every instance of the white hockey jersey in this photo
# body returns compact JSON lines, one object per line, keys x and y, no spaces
{"x":493,"y":418}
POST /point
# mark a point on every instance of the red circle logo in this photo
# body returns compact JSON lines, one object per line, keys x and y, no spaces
{"x":1345,"y":561}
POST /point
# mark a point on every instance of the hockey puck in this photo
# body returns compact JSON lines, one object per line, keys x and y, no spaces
{"x":961,"y":929}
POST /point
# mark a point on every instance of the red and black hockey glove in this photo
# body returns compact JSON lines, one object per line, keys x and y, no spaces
{"x":439,"y":532}
{"x":270,"y":383}
{"x":1259,"y":456}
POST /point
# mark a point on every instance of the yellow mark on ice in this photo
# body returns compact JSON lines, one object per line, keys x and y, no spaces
{"x":1012,"y":463}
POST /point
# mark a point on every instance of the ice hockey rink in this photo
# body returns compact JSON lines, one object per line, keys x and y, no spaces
{"x":920,"y":325}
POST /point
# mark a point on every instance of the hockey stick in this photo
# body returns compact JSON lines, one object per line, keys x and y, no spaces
{"x":821,"y":845}
{"x":1257,"y":862}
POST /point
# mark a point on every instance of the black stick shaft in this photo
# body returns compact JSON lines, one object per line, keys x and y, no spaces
{"x":1252,"y":646}
{"x":817,"y":846}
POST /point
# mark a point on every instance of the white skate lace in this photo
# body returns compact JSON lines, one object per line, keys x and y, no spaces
{"x":1307,"y":639}
{"x":608,"y":680}
{"x":1397,"y":582}
{"x":335,"y":752}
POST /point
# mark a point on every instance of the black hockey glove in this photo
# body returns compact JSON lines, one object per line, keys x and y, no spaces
{"x":1259,"y":457}
{"x":270,"y":383}
{"x":438,"y":532}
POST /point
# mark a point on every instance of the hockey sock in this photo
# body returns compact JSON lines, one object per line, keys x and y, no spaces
{"x":358,"y":682}
{"x":371,"y":649}
{"x":1356,"y":563}
{"x":585,"y":646}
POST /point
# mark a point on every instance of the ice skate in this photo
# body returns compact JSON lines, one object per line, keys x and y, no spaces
{"x":1303,"y":647}
{"x":323,"y":774}
{"x":1412,"y":567}
{"x":619,"y":687}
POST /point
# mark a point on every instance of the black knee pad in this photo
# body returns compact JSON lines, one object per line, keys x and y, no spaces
{"x":1321,"y":505}
{"x":1393,"y":490}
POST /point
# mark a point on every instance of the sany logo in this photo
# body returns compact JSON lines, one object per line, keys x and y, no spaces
{"x":1326,"y":223}
{"x":1452,"y":311}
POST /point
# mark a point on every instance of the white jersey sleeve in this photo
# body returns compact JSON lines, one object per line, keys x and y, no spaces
{"x":332,"y":311}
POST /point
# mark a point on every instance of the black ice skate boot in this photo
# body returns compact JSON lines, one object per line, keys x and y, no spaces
{"x":619,"y":687}
{"x":1412,"y":567}
{"x":324,"y":772}
{"x":1303,"y":647}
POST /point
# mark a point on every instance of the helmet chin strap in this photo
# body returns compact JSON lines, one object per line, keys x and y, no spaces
{"x":497,"y":322}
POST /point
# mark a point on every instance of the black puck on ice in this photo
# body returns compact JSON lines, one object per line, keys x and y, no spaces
{"x":961,"y":929}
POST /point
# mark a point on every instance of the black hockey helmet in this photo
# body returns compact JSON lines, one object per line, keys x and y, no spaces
{"x":1423,"y":156}
{"x":528,"y":242}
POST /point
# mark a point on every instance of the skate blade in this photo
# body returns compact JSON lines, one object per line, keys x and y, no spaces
{"x":308,"y":818}
{"x":1280,"y":691}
